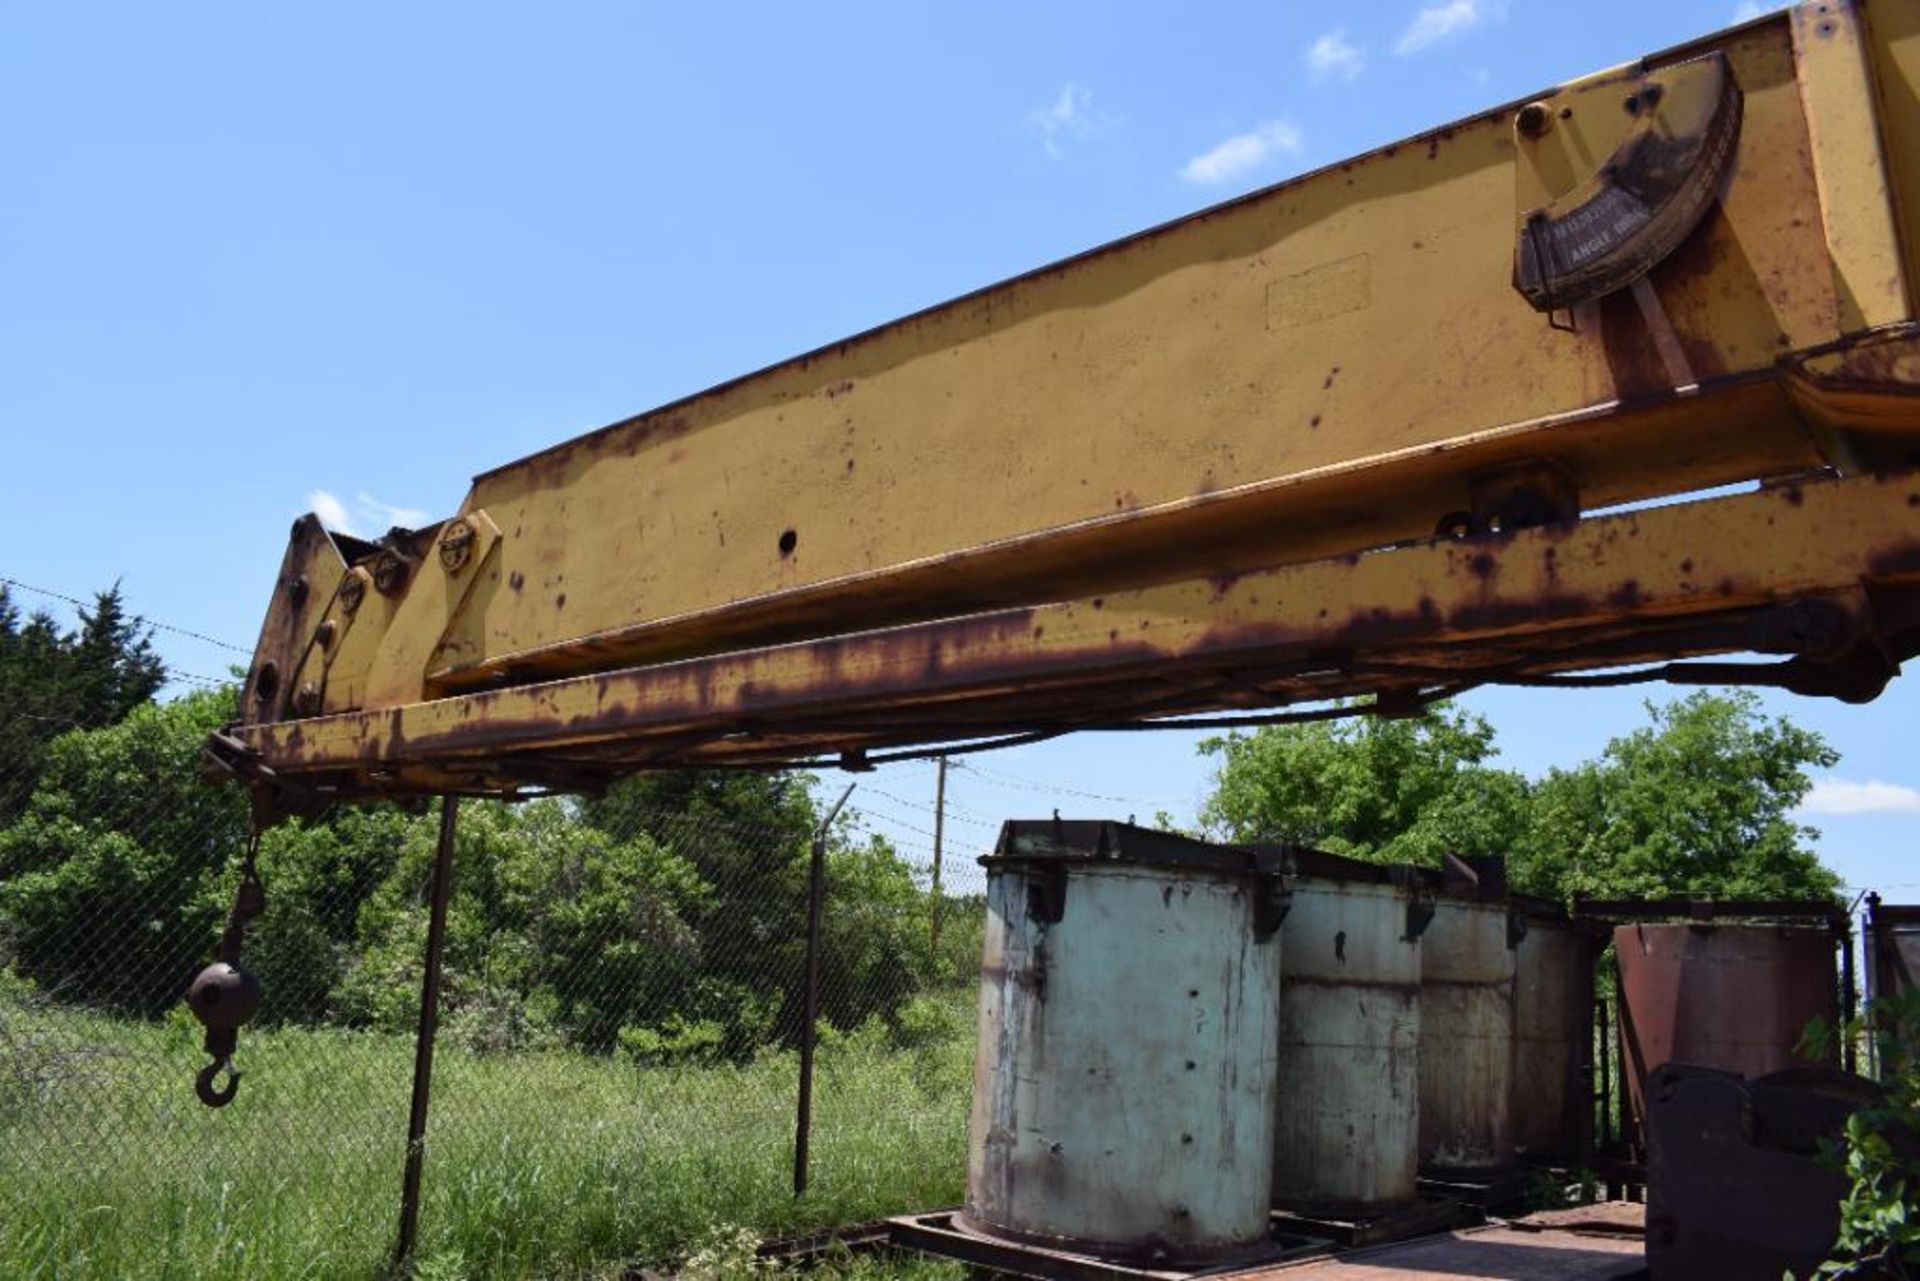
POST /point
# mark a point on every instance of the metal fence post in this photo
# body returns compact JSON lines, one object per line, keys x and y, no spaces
{"x":429,"y":1022}
{"x":816,"y":890}
{"x":939,"y":834}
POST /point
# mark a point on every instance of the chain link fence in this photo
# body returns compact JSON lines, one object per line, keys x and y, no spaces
{"x":617,"y":1059}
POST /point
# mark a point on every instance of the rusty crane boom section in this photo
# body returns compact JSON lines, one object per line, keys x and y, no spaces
{"x":1378,"y":433}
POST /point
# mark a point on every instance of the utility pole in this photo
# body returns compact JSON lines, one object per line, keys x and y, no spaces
{"x":939,"y":831}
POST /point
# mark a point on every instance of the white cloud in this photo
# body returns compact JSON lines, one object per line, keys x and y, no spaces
{"x":367,"y":517}
{"x":1332,"y":55}
{"x":1242,"y":153}
{"x":1441,"y":21}
{"x":1070,"y":115}
{"x":1831,"y":795}
{"x":331,"y":511}
{"x":387,"y":515}
{"x":1748,"y":10}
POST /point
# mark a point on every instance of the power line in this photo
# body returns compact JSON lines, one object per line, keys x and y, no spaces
{"x":138,"y":618}
{"x":1009,"y":780}
{"x":952,"y":816}
{"x":897,"y":821}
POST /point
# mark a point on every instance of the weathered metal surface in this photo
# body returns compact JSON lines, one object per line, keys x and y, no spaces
{"x":1552,"y":1033}
{"x":1329,"y":367}
{"x":1677,"y":580}
{"x":1376,"y":1225}
{"x":1892,"y":51}
{"x":1610,"y":1218}
{"x":945,"y":1236}
{"x":1476,"y":1254}
{"x":1732,"y":997}
{"x":310,"y":574}
{"x":1737,"y":1187}
{"x":1124,"y":1078}
{"x":1466,"y":1037}
{"x":1346,"y":1132}
{"x":1668,"y":140}
{"x":1893,"y":947}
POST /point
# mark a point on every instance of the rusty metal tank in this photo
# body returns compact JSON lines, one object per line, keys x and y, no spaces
{"x":1124,"y":1084}
{"x":1731,"y":996}
{"x":1466,"y":1036}
{"x":1552,"y":1035}
{"x":1347,"y":1135}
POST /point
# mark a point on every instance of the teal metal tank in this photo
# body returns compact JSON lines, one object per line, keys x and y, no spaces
{"x":1466,"y":1036}
{"x":1347,"y":1137}
{"x":1123,"y":1100}
{"x":1553,"y":1037}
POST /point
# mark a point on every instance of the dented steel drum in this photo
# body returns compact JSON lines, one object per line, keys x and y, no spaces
{"x":1123,"y":1089}
{"x":1733,"y":997}
{"x":1466,"y":1037}
{"x":1346,"y":1127}
{"x":1552,"y":1033}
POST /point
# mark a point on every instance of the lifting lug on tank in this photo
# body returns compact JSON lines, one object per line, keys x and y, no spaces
{"x":1272,"y":874}
{"x":1516,"y":927}
{"x":1047,"y":892}
{"x":1419,"y":913}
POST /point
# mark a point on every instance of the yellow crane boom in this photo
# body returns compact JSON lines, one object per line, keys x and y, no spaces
{"x":1352,"y":435}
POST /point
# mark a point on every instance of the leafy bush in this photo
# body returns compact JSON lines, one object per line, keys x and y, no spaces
{"x":110,"y":881}
{"x":1879,"y":1222}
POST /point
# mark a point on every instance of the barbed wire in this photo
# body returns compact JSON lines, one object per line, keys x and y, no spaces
{"x":209,"y":682}
{"x":137,"y":618}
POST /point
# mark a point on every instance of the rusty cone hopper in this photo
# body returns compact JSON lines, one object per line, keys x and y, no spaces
{"x":1733,"y":997}
{"x":1466,"y":1024}
{"x":1346,"y":1126}
{"x":1124,"y":1087}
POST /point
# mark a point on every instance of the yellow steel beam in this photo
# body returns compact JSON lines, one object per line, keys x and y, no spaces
{"x":1332,"y":364}
{"x":1694,"y":578}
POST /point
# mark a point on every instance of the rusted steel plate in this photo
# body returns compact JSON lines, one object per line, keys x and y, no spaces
{"x":1616,"y":1218}
{"x":1606,"y":590}
{"x":1488,"y":1254}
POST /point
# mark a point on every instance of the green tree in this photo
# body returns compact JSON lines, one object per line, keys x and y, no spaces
{"x":53,"y":681}
{"x":748,"y":834}
{"x":1394,"y":790}
{"x":1699,"y":802}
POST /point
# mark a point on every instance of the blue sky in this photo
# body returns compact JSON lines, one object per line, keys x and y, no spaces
{"x":255,"y":259}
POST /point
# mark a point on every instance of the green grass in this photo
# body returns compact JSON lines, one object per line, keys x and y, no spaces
{"x":538,"y":1165}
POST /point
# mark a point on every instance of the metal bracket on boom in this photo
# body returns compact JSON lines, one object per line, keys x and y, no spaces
{"x":1601,"y":229}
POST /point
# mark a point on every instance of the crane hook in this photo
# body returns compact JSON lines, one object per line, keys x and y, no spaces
{"x":225,"y":994}
{"x":203,"y":1083}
